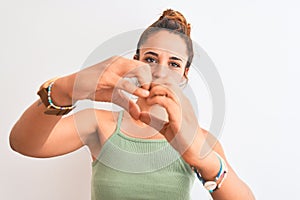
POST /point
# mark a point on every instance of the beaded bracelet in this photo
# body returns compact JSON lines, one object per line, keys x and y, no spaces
{"x":212,"y":186}
{"x":51,"y":102}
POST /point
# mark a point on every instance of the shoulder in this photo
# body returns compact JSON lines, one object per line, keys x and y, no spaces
{"x":101,"y":125}
{"x":89,"y":121}
{"x":106,"y":123}
{"x":104,"y":113}
{"x":95,"y":115}
{"x":105,"y":116}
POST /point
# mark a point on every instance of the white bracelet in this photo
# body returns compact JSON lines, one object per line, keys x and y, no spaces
{"x":51,"y":102}
{"x":212,"y":186}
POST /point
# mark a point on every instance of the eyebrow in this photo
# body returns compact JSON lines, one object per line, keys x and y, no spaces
{"x":175,"y":58}
{"x":155,"y":54}
{"x":151,"y":53}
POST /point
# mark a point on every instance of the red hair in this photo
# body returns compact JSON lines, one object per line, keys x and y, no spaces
{"x":174,"y":22}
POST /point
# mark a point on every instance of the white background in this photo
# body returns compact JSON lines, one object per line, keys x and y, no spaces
{"x":254,"y":45}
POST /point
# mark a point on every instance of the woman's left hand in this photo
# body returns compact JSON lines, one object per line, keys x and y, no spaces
{"x":181,"y":128}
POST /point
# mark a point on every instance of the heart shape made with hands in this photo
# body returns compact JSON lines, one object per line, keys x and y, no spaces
{"x":163,"y":104}
{"x":180,"y":125}
{"x":167,"y":110}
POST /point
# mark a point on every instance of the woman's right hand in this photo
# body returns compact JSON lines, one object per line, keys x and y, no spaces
{"x":104,"y":82}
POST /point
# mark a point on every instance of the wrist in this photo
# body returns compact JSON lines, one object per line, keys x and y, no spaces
{"x":208,"y":166}
{"x":212,"y":184}
{"x":62,"y":91}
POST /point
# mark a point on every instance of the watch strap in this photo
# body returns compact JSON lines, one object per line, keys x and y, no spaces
{"x":45,"y":95}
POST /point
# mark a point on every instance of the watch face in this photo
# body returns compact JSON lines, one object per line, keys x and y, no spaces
{"x":210,"y":185}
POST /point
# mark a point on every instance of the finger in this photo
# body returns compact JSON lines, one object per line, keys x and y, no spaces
{"x":173,"y":110}
{"x":159,"y":90}
{"x":143,"y":74}
{"x":133,"y":68}
{"x":128,"y":86}
{"x":122,"y":100}
{"x":161,"y":100}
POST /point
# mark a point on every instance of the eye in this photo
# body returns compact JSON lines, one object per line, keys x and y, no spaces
{"x":150,"y":60}
{"x":174,"y":64}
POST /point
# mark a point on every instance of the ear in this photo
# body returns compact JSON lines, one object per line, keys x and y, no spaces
{"x":136,"y":57}
{"x":186,"y":71}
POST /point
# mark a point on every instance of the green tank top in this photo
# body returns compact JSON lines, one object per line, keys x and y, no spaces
{"x":132,"y":168}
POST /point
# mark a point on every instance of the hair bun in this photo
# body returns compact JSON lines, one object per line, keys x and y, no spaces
{"x":173,"y":22}
{"x":176,"y":16}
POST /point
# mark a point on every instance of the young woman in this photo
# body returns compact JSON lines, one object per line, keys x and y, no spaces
{"x":153,"y":148}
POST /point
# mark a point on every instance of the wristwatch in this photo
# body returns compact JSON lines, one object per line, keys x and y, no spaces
{"x":45,"y":96}
{"x":213,"y":185}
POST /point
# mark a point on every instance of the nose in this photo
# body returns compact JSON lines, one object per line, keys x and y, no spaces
{"x":159,"y":71}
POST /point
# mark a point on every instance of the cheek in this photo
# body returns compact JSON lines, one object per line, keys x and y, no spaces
{"x":183,"y":72}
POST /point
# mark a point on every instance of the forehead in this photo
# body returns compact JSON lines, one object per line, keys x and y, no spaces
{"x":164,"y":41}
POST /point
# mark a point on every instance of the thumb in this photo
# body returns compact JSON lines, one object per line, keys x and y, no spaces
{"x":154,"y":122}
{"x":122,"y":100}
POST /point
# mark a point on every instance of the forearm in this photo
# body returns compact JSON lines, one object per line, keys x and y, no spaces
{"x":232,"y":188}
{"x":34,"y":126}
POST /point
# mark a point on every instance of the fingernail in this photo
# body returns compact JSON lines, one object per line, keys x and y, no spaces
{"x":146,"y":92}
